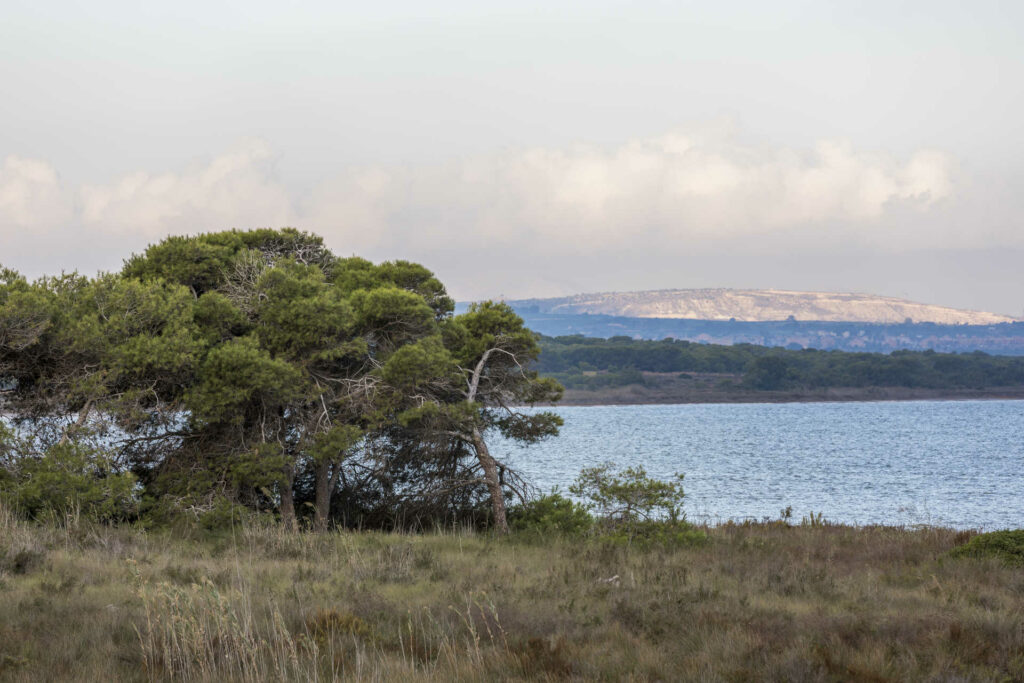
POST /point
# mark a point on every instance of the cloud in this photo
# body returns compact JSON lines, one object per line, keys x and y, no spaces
{"x":673,"y":187}
{"x":234,"y":189}
{"x":31,"y":196}
{"x":691,"y":188}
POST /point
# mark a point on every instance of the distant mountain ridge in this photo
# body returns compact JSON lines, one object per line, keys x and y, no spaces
{"x":756,"y":305}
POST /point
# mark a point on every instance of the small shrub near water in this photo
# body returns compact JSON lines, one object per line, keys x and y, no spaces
{"x":636,"y":509}
{"x":629,"y":495}
{"x":1007,"y":545}
{"x":632,"y":509}
{"x":553,"y":513}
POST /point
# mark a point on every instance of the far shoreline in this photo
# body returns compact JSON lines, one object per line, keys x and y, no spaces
{"x":643,"y":395}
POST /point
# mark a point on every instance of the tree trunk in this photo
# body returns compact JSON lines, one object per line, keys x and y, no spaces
{"x":490,"y":468}
{"x":322,"y":504}
{"x":83,"y":415}
{"x":288,"y":519}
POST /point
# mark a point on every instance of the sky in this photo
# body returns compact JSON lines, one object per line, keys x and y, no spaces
{"x":532,"y":148}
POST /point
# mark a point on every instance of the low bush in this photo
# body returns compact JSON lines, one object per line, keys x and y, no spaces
{"x":553,"y":513}
{"x":72,"y":476}
{"x":629,"y":495}
{"x":634,"y":508}
{"x":1007,"y":545}
{"x":664,"y":533}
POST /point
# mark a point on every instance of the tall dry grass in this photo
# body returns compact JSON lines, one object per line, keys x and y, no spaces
{"x":758,"y":602}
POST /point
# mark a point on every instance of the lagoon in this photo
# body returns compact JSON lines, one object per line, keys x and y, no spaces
{"x":948,"y":463}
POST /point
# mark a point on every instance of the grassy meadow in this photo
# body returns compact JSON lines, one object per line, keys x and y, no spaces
{"x":811,"y":602}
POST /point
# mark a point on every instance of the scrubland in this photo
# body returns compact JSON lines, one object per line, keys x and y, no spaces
{"x":769,"y":601}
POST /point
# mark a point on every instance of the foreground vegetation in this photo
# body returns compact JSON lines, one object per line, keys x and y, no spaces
{"x":82,"y":601}
{"x":235,"y":372}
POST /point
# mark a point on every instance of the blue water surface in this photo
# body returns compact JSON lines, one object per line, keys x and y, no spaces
{"x":949,"y":463}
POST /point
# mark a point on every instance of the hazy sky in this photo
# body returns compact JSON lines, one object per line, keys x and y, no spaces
{"x":532,"y":149}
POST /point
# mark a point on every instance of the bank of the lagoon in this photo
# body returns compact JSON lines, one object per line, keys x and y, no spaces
{"x":946,"y":463}
{"x":671,"y":388}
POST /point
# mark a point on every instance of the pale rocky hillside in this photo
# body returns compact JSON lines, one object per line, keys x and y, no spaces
{"x":756,"y":305}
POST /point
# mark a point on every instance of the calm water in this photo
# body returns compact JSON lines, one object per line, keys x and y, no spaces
{"x":952,"y":463}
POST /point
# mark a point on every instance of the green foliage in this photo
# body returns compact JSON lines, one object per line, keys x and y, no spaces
{"x":490,"y":325}
{"x":1007,"y":545}
{"x":246,"y":366}
{"x":218,"y":319}
{"x":619,"y":361}
{"x":9,"y":444}
{"x":338,"y":439}
{"x":258,"y":468}
{"x":240,"y":374}
{"x":70,"y":476}
{"x":552,"y":513}
{"x":396,"y":316}
{"x":298,"y":312}
{"x":423,"y":362}
{"x":629,"y":495}
{"x":419,"y":280}
{"x":491,"y":337}
{"x":634,"y":508}
{"x":663,"y":533}
{"x":201,"y":262}
{"x":529,"y":428}
{"x":769,"y":372}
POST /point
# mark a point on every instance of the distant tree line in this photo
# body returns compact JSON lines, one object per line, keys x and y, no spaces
{"x":256,"y":372}
{"x":575,"y":359}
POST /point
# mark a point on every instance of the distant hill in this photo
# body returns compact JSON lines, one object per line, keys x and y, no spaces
{"x":1002,"y":339}
{"x":756,"y":305}
{"x":849,"y":322}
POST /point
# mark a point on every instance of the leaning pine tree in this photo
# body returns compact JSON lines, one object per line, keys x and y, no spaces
{"x":474,"y":378}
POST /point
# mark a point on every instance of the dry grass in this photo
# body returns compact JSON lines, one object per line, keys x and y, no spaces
{"x":759,"y":602}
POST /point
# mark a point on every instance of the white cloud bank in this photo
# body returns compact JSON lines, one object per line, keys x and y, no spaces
{"x":31,"y":196}
{"x":693,"y":188}
{"x":234,"y":189}
{"x":673,"y":187}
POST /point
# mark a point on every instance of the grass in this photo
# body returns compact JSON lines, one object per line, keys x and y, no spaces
{"x":757,"y":602}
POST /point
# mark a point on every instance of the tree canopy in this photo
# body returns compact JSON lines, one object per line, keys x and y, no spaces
{"x":256,"y":370}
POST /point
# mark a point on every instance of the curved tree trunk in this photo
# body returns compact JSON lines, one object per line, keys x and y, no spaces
{"x":490,"y":468}
{"x":288,"y":519}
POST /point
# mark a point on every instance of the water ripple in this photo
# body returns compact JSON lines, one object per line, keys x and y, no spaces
{"x":951,"y":463}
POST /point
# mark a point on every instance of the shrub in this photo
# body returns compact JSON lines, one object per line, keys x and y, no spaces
{"x":655,"y":532}
{"x":629,"y":495}
{"x":551,"y":513}
{"x":635,"y":508}
{"x":223,"y":514}
{"x":72,"y":476}
{"x":1007,"y":545}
